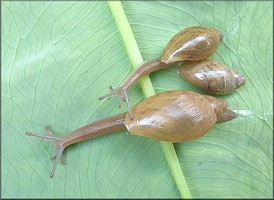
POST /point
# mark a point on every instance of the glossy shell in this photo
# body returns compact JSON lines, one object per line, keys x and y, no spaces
{"x":211,"y":76}
{"x":220,"y":108}
{"x":193,"y":43}
{"x":173,"y":116}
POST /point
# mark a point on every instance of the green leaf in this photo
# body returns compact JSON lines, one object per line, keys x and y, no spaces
{"x":59,"y":57}
{"x":136,"y":59}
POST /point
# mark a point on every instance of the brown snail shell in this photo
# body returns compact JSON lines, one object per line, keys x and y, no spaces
{"x":193,"y":43}
{"x":211,"y":76}
{"x":176,"y":116}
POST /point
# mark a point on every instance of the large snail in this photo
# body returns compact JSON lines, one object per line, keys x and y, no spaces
{"x":193,"y":43}
{"x":174,"y":116}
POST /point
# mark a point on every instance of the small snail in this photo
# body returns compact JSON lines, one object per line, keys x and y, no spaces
{"x":193,"y":43}
{"x":211,"y":76}
{"x":174,"y":116}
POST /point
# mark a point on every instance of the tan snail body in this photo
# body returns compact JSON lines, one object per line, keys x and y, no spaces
{"x":177,"y":116}
{"x":211,"y":76}
{"x":174,"y":116}
{"x":193,"y":43}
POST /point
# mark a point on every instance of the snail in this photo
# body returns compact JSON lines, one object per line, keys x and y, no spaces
{"x":174,"y":116}
{"x":193,"y":43}
{"x":211,"y":76}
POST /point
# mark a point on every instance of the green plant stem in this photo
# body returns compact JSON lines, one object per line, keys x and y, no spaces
{"x":146,"y":85}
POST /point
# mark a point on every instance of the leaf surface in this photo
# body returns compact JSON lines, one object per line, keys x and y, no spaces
{"x":59,"y":57}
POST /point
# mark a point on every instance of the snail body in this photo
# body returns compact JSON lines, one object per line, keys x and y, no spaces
{"x":193,"y":43}
{"x":177,"y":116}
{"x":174,"y":116}
{"x":211,"y":76}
